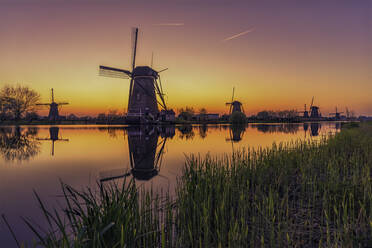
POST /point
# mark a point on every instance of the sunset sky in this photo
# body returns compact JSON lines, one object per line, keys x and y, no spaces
{"x":277,"y":54}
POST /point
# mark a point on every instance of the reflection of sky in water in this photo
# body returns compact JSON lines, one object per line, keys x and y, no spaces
{"x":38,"y":157}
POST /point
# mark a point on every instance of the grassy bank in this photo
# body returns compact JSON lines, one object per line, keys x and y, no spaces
{"x":295,"y":195}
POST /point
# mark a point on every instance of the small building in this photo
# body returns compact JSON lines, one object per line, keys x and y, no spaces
{"x":167,"y":115}
{"x":207,"y":117}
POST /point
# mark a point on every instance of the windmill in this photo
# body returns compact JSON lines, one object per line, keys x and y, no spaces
{"x":337,"y":114}
{"x":53,"y":136}
{"x":53,"y":108}
{"x":144,"y":90}
{"x":235,"y":106}
{"x":314,"y":110}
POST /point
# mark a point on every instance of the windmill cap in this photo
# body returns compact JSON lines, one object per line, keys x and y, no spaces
{"x":144,"y":71}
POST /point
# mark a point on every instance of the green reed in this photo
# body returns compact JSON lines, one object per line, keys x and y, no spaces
{"x":301,"y":194}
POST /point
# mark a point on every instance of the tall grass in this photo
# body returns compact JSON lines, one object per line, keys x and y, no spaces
{"x":303,"y":194}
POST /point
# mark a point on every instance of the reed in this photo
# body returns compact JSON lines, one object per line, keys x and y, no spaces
{"x":301,"y":194}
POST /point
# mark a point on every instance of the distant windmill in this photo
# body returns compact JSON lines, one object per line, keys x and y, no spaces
{"x":53,"y":108}
{"x":314,"y":110}
{"x":336,"y":114}
{"x":145,"y":86}
{"x":235,"y":106}
{"x":53,"y":136}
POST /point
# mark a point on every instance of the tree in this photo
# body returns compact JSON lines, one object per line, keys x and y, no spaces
{"x":186,"y":113}
{"x":17,"y":101}
{"x":203,"y":111}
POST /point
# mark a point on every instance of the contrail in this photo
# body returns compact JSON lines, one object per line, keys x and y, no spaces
{"x":238,"y":35}
{"x":169,"y":24}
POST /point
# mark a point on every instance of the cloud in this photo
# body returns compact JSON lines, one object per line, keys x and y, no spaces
{"x":238,"y":35}
{"x":173,"y":24}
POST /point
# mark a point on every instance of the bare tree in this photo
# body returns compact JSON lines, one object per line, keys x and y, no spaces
{"x":16,"y":102}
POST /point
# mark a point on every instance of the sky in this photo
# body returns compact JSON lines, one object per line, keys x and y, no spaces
{"x":277,"y":54}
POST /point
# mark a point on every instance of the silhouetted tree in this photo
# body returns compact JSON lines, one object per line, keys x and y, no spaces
{"x":186,"y":113}
{"x":17,"y":101}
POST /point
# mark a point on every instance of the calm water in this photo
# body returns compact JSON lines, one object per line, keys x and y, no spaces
{"x":37,"y":157}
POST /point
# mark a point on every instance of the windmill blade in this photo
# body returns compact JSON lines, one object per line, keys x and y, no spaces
{"x":162,"y":70}
{"x":134,"y":46}
{"x":160,"y":93}
{"x":232,"y":98}
{"x":107,"y":71}
{"x":312,"y":101}
{"x":42,"y":104}
{"x":113,"y":174}
{"x":228,"y":103}
{"x":63,"y":103}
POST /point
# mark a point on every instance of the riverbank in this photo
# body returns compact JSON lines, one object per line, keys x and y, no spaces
{"x":177,"y":122}
{"x":297,"y":195}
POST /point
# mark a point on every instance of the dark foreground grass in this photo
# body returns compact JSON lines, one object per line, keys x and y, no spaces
{"x":303,"y":194}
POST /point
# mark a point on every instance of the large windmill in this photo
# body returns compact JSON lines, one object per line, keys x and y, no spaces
{"x":336,"y":114}
{"x":145,"y":90}
{"x":53,"y":108}
{"x":314,"y":110}
{"x":235,"y":106}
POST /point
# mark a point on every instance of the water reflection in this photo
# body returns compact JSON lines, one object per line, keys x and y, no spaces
{"x":290,"y":128}
{"x":236,"y":133}
{"x":203,"y":131}
{"x":314,"y":128}
{"x":186,"y":132}
{"x":18,"y":144}
{"x":145,"y":152}
{"x":53,"y":136}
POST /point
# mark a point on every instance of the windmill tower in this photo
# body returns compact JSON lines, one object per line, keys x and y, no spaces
{"x":235,"y":106}
{"x":144,"y":90}
{"x":53,"y":136}
{"x":314,"y":110}
{"x":53,"y":108}
{"x":336,"y":114}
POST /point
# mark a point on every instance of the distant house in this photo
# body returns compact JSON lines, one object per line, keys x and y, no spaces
{"x":167,"y":115}
{"x":207,"y":117}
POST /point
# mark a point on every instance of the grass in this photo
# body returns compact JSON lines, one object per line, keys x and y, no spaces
{"x":302,"y":194}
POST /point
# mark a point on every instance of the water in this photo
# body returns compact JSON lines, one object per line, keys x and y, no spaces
{"x":38,"y":157}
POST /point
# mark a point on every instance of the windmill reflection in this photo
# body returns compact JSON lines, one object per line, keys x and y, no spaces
{"x":53,"y":136}
{"x":236,"y":133}
{"x":146,"y":149}
{"x":314,"y":128}
{"x":18,"y":144}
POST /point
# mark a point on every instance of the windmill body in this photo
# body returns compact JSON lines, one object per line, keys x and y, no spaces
{"x":142,"y":98}
{"x":145,"y":91}
{"x":314,"y":110}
